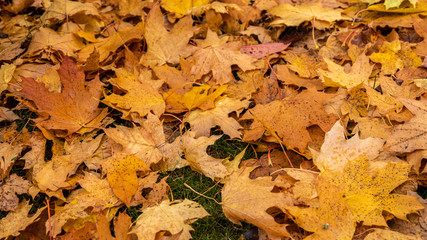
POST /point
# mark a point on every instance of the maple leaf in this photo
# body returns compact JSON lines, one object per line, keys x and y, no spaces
{"x":411,"y":135}
{"x":336,"y":151}
{"x":96,"y":193}
{"x":18,"y":220}
{"x":122,"y":224}
{"x":173,"y":217}
{"x":181,"y":7}
{"x":48,"y":41}
{"x":197,"y":97}
{"x":199,"y":160}
{"x":110,"y":44}
{"x":9,"y":153}
{"x":8,"y":199}
{"x":75,"y":109}
{"x":368,"y":194}
{"x":53,"y":174}
{"x":179,"y":81}
{"x":295,"y":15}
{"x":332,"y":219}
{"x":6,"y":73}
{"x":290,"y":118}
{"x":395,"y":55}
{"x":61,"y":9}
{"x":163,"y":46}
{"x":217,"y":56}
{"x":337,"y":77}
{"x":239,"y":204}
{"x":303,"y":63}
{"x":121,"y":174}
{"x":142,"y":95}
{"x":202,"y":121}
{"x":383,"y":234}
{"x":143,"y":142}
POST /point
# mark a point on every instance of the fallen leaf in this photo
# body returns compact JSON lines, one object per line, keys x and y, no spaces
{"x":411,"y":135}
{"x":395,"y":55}
{"x":14,"y":185}
{"x":181,"y":7}
{"x":262,"y":50}
{"x":72,"y":110}
{"x":173,"y":217}
{"x":6,"y":73}
{"x":9,"y":153}
{"x":337,"y":151}
{"x":121,"y":174}
{"x":142,"y":141}
{"x":216,"y":55}
{"x":199,"y":160}
{"x":337,"y":77}
{"x":295,"y":15}
{"x":122,"y":224}
{"x":368,"y":193}
{"x":18,"y":220}
{"x":47,"y":41}
{"x":163,"y":46}
{"x":332,"y":219}
{"x":197,"y":97}
{"x":383,"y":234}
{"x":280,"y":117}
{"x":110,"y":44}
{"x":251,"y":206}
{"x":142,"y":95}
{"x":202,"y":121}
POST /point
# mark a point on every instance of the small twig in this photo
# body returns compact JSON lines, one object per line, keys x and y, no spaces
{"x":355,"y":16}
{"x":312,"y":33}
{"x":20,"y":131}
{"x":185,"y":184}
{"x":50,"y":222}
{"x":207,"y":190}
{"x":275,"y":78}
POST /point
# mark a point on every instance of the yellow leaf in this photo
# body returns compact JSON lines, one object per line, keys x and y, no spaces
{"x":202,"y":121}
{"x":174,"y":217}
{"x":110,"y":44}
{"x":384,"y":234}
{"x":368,"y":194}
{"x":239,"y":204}
{"x":199,"y":160}
{"x":6,"y":73}
{"x":142,"y":141}
{"x":142,"y":95}
{"x":196,"y":97}
{"x":181,"y":7}
{"x":394,"y":56}
{"x":337,"y":77}
{"x":121,"y":174}
{"x":163,"y":46}
{"x":336,"y":151}
{"x":332,"y":219}
{"x":295,"y":15}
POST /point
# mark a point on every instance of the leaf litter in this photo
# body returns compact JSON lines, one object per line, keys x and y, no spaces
{"x":329,"y":97}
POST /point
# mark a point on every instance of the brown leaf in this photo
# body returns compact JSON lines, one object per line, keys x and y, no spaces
{"x":75,"y":109}
{"x":290,"y":118}
{"x":14,"y":185}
